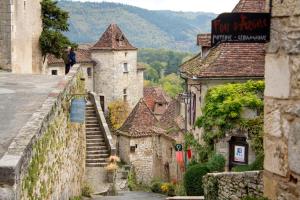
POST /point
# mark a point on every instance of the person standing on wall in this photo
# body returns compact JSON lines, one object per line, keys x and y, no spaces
{"x":72,"y":57}
{"x":66,"y":59}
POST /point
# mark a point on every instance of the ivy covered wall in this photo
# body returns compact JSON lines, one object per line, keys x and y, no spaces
{"x":56,"y":166}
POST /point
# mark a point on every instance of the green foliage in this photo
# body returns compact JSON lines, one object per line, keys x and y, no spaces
{"x":172,"y":84}
{"x":180,"y":190}
{"x":161,"y":62}
{"x":76,"y":198}
{"x":193,"y":179}
{"x":118,"y":112}
{"x":55,"y":21}
{"x":144,"y":28}
{"x":223,"y":108}
{"x":86,"y":191}
{"x":258,"y":164}
{"x":216,"y":163}
{"x":202,"y":150}
{"x":254,"y":198}
{"x":156,"y":186}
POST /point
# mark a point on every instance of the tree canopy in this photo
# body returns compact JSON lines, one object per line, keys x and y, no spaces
{"x":54,"y":22}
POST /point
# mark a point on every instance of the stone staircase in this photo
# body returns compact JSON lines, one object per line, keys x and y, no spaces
{"x":96,"y":149}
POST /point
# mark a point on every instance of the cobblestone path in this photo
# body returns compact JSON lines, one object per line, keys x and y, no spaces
{"x":128,"y":195}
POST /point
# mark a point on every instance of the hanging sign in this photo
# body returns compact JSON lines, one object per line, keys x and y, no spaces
{"x":241,"y":27}
{"x":78,"y":110}
{"x":178,"y":147}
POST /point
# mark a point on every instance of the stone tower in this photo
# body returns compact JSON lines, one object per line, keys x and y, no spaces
{"x":20,"y":29}
{"x":116,"y":74}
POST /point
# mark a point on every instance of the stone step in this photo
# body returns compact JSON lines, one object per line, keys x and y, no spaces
{"x":94,"y":137}
{"x":92,"y":129}
{"x":92,"y":125}
{"x":96,"y":148}
{"x":91,"y":121}
{"x":105,"y":151}
{"x":96,"y":144}
{"x":94,"y":133}
{"x":95,"y":160}
{"x":97,"y":156}
{"x":96,"y":164}
{"x":97,"y":140}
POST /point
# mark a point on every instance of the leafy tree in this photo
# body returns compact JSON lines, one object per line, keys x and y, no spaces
{"x":55,"y":21}
{"x":118,"y":112}
{"x":172,"y":84}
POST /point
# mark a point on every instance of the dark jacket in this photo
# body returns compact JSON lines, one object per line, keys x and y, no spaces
{"x":72,"y":58}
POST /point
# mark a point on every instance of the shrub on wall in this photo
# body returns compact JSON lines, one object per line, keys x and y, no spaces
{"x":216,"y":163}
{"x":193,"y":179}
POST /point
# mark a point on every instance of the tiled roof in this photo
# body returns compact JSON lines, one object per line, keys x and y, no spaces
{"x":251,"y":6}
{"x":171,"y":117}
{"x":204,"y":40}
{"x":113,"y":39}
{"x":140,"y":122}
{"x":154,"y":95}
{"x":82,"y":56}
{"x":229,"y":60}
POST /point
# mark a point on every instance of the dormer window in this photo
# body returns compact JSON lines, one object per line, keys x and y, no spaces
{"x":125,"y":67}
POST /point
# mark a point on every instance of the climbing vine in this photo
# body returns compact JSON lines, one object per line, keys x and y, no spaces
{"x":222,"y":113}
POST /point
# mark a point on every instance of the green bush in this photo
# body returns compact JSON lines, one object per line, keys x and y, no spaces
{"x":76,"y":198}
{"x":258,"y":164}
{"x":193,"y":179}
{"x":254,"y":198}
{"x":216,"y":163}
{"x":86,"y":190}
{"x":156,"y":186}
{"x":180,"y":190}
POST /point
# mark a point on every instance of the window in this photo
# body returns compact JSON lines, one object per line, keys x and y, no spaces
{"x":125,"y":54}
{"x":54,"y":72}
{"x":89,"y":72}
{"x":125,"y":95}
{"x":125,"y":67}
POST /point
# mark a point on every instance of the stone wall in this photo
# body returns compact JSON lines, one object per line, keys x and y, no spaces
{"x":5,"y":36}
{"x":47,"y":158}
{"x":233,"y":185}
{"x":110,"y":79}
{"x":154,"y":157}
{"x":282,"y":104}
{"x":20,"y":29}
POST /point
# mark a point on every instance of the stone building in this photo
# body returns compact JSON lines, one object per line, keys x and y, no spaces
{"x":282,"y":104}
{"x":111,"y":68}
{"x":221,"y":64}
{"x":147,"y":143}
{"x":20,"y":29}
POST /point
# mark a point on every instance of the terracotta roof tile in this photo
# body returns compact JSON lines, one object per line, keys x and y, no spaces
{"x":204,"y":40}
{"x":229,"y":60}
{"x":82,"y":56}
{"x":141,"y":66}
{"x":251,"y":6}
{"x":170,"y":118}
{"x":153,"y":95}
{"x":140,"y":122}
{"x":113,"y":39}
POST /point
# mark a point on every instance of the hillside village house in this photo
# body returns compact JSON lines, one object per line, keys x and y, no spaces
{"x":111,"y":68}
{"x":223,"y":63}
{"x":147,"y":142}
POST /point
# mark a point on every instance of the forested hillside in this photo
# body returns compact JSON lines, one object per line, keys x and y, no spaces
{"x":162,"y":68}
{"x":144,"y":28}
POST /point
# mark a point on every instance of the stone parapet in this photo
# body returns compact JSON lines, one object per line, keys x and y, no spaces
{"x":233,"y":185}
{"x":47,"y":158}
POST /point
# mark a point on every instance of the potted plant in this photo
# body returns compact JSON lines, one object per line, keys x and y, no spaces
{"x":111,"y":168}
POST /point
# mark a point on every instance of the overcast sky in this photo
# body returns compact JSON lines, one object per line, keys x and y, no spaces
{"x":216,"y":6}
